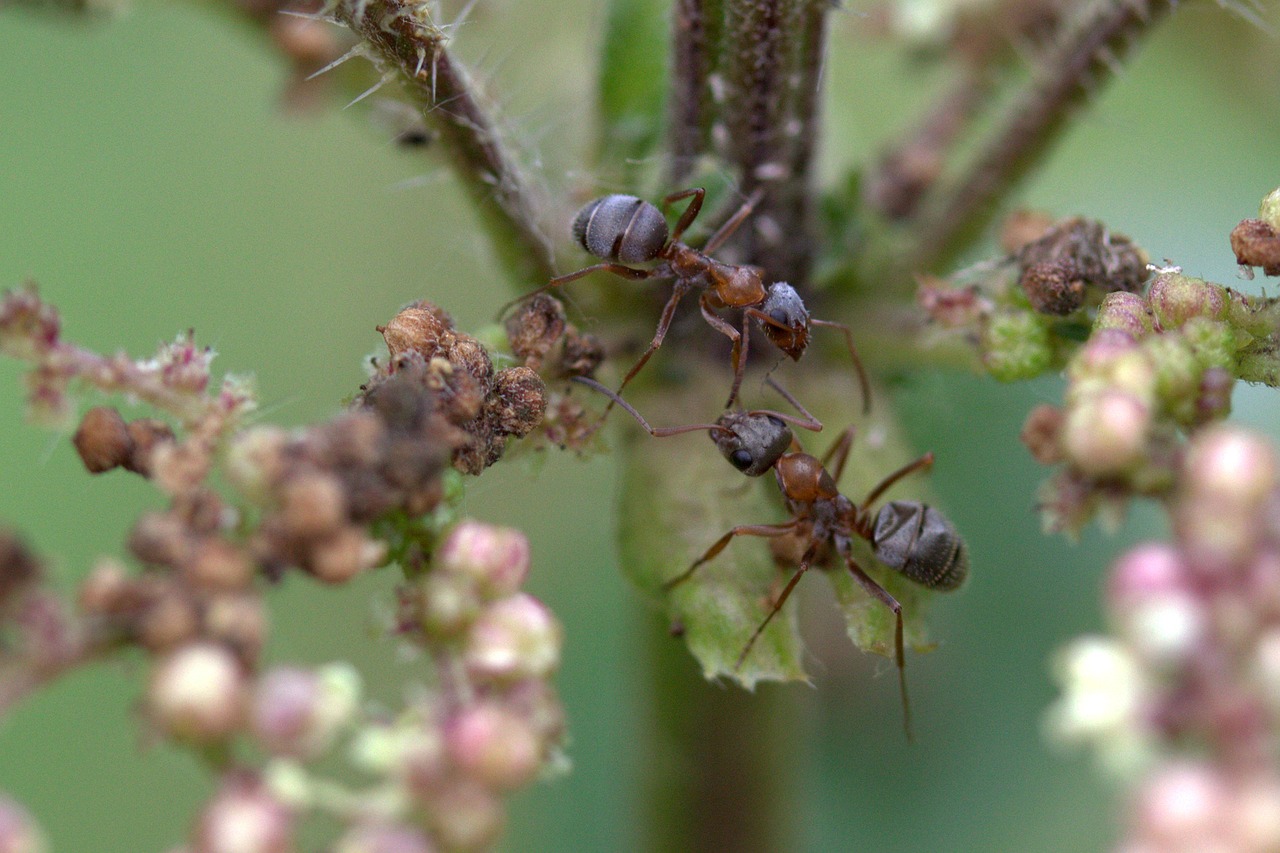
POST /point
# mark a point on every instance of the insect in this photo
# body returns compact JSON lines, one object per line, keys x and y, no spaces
{"x":624,"y":229}
{"x":910,"y":537}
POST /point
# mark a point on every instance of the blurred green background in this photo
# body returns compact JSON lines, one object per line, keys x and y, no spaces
{"x":150,"y":182}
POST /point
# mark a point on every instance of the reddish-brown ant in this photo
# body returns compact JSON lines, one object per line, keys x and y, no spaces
{"x":910,"y":537}
{"x":624,"y":229}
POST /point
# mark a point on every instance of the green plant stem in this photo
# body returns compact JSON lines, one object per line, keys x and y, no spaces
{"x":404,"y":38}
{"x":1086,"y":53}
{"x":696,"y":29}
{"x":721,"y":761}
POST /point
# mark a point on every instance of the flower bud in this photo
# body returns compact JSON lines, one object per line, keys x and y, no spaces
{"x":1111,"y":361}
{"x":446,"y":603}
{"x":1182,"y":806}
{"x":1015,"y":345}
{"x":417,"y":328}
{"x":105,"y":587}
{"x":1212,"y":342}
{"x":1254,"y":817}
{"x":244,"y":817}
{"x":466,"y":816}
{"x":1106,"y":434}
{"x":494,"y":746}
{"x":496,"y":559}
{"x":18,"y":831}
{"x":1269,"y":210}
{"x":340,"y":557}
{"x":1041,"y":433}
{"x":298,"y":713}
{"x":237,"y":621}
{"x":1230,"y":465}
{"x":1176,"y":298}
{"x":1149,"y":570}
{"x":102,"y":440}
{"x":1126,"y":312}
{"x":1053,"y":287}
{"x":382,"y":838}
{"x":218,"y":565}
{"x":514,"y":638}
{"x":147,"y":434}
{"x":256,"y":460}
{"x":312,"y":505}
{"x":197,"y":692}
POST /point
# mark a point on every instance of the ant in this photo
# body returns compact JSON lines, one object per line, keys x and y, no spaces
{"x":910,"y":537}
{"x":624,"y":229}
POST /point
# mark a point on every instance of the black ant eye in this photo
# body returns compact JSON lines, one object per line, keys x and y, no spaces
{"x":740,"y":459}
{"x":777,"y":422}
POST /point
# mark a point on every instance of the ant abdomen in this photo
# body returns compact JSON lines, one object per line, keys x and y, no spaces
{"x":921,"y":543}
{"x":621,"y":228}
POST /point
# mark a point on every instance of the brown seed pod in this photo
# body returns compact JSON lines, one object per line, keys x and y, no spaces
{"x":103,"y":440}
{"x":1257,"y":244}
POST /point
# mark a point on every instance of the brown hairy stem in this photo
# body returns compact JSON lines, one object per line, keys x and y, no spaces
{"x":405,"y":38}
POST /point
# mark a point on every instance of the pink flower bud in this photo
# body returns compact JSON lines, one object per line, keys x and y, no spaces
{"x":494,"y":746}
{"x":197,"y":692}
{"x":243,"y":817}
{"x":1181,"y":807}
{"x":382,"y":838}
{"x":466,"y":816}
{"x":514,"y":638}
{"x":496,"y":558}
{"x":1106,"y":434}
{"x":18,"y":831}
{"x":1230,"y":465}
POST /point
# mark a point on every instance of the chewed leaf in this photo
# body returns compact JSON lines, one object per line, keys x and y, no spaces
{"x":869,"y":622}
{"x":678,"y":497}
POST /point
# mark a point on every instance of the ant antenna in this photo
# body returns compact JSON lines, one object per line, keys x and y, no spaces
{"x":658,"y":432}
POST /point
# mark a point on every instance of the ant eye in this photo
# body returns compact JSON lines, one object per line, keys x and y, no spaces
{"x":777,"y":422}
{"x":740,"y":459}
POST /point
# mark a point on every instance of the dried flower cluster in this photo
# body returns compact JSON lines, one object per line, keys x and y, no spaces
{"x":332,"y":500}
{"x":1185,"y":695}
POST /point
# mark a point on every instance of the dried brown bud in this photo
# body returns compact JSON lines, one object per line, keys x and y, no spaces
{"x":535,"y":328}
{"x":103,"y":440}
{"x":1257,"y":244}
{"x":312,"y":505}
{"x":217,"y":564}
{"x":345,"y":554}
{"x":1053,"y":287}
{"x":160,"y":539}
{"x":418,"y":328}
{"x":1042,"y":434}
{"x":18,"y":566}
{"x":582,"y":354}
{"x":1102,"y":259}
{"x":519,"y":401}
{"x":239,"y":622}
{"x":169,"y":620}
{"x":146,"y":434}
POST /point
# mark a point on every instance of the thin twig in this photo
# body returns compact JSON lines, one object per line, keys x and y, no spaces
{"x":1072,"y":71}
{"x":404,"y":37}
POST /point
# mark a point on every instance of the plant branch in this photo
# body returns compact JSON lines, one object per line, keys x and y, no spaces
{"x":696,"y":30}
{"x":405,"y":38}
{"x":1087,"y":52}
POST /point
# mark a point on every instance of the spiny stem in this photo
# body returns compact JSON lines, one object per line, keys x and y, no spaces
{"x":1086,"y":53}
{"x":404,"y":37}
{"x":772,"y":68}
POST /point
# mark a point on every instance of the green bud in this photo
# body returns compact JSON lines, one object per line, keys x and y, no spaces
{"x":1269,"y":210}
{"x":1124,"y":311}
{"x":1177,"y":376}
{"x":1176,"y":298}
{"x":1015,"y":345}
{"x":1212,"y":343}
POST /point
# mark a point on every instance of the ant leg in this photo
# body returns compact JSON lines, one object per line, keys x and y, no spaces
{"x":857,"y":362}
{"x":777,"y":605}
{"x":741,"y":342}
{"x":657,"y":432}
{"x":807,"y":421}
{"x":690,"y":213}
{"x":742,"y":530}
{"x":922,"y":464}
{"x":561,"y":280}
{"x":839,"y":451}
{"x":659,"y":335}
{"x":725,"y":231}
{"x":880,"y":593}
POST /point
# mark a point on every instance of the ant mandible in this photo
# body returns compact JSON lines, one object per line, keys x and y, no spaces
{"x":624,"y":229}
{"x":910,"y":537}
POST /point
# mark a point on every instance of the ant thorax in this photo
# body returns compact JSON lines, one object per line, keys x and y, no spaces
{"x":789,"y":330}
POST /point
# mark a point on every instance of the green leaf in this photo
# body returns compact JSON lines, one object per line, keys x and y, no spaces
{"x":678,"y":497}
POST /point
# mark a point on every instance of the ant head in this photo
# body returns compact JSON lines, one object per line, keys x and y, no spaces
{"x":751,"y":441}
{"x":621,"y":228}
{"x":788,"y":324}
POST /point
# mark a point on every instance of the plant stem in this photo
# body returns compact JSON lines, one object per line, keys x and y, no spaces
{"x":1087,"y":51}
{"x":696,"y":28}
{"x":405,"y":38}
